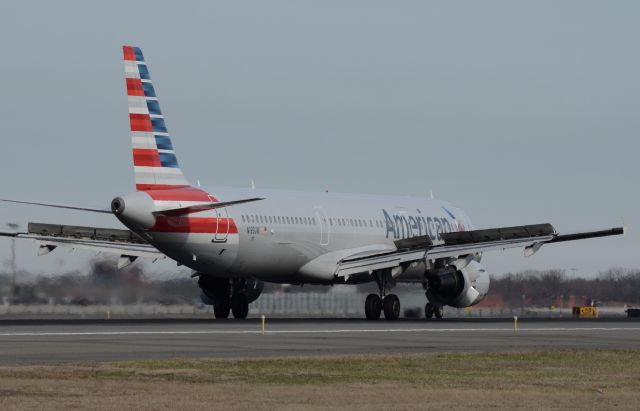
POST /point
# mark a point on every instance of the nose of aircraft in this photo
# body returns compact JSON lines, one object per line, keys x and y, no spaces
{"x":135,"y":210}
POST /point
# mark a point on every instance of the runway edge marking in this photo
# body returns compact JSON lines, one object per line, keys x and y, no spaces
{"x":339,"y":331}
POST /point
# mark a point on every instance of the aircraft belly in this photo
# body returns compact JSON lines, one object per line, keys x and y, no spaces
{"x":199,"y":251}
{"x":266,"y":257}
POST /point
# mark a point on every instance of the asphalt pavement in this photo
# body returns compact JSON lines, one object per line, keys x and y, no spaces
{"x":45,"y":341}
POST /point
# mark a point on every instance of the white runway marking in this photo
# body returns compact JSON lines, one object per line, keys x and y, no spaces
{"x":339,"y":331}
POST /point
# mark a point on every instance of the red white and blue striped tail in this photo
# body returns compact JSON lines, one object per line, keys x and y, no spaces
{"x":154,"y":161}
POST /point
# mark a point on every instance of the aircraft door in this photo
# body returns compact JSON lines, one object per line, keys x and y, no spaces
{"x":222,"y":223}
{"x":323,"y":224}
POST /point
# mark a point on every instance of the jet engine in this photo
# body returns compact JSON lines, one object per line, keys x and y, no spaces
{"x":455,"y":287}
{"x":215,"y":288}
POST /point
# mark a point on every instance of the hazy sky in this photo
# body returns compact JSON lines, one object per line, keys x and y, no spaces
{"x":518,"y":112}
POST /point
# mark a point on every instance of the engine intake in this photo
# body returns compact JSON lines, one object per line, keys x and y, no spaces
{"x":458,"y":288}
{"x":447,"y":283}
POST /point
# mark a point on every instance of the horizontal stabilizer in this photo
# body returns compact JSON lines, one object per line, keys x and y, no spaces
{"x":174,"y":212}
{"x":68,"y":207}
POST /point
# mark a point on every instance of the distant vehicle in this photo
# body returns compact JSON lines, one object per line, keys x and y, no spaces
{"x":236,"y":238}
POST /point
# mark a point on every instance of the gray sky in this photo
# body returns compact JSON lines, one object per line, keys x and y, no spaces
{"x":518,"y":112}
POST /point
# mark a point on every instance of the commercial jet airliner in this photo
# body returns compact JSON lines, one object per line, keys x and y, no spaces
{"x":235,"y":239}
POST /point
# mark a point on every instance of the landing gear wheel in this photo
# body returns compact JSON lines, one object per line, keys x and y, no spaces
{"x":428,"y":311}
{"x":391,"y":306}
{"x":239,"y":306}
{"x":372,"y":307}
{"x":221,"y":307}
{"x":437,"y":311}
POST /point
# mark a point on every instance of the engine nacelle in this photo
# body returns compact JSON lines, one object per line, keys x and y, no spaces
{"x":458,"y":288}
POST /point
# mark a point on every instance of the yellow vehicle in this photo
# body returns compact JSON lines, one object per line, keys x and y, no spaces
{"x":585,"y":312}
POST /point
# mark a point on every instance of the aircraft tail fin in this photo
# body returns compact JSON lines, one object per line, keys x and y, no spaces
{"x":154,"y":160}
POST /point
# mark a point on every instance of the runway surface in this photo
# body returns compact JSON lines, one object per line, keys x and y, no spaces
{"x":86,"y":341}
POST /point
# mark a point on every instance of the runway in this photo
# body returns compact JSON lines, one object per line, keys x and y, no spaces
{"x":86,"y":341}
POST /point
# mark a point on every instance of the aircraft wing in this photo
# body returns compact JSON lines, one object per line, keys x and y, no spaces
{"x":463,"y":244}
{"x":125,"y":243}
{"x":65,"y":206}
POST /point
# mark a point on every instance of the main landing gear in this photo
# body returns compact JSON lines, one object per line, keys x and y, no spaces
{"x":375,"y":304}
{"x":431,"y":310}
{"x":228,"y":296}
{"x":237,"y":304}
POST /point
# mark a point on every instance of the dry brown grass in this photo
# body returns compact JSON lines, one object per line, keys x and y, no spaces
{"x":560,"y":380}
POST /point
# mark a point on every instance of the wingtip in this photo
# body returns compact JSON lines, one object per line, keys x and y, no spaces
{"x":625,"y":227}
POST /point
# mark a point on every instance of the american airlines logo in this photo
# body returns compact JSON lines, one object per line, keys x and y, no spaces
{"x":403,"y":225}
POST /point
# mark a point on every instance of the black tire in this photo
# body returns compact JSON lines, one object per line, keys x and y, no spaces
{"x":428,"y":311}
{"x":391,"y":306}
{"x":438,"y":312}
{"x":373,"y":307}
{"x":240,"y":306}
{"x":221,"y":307}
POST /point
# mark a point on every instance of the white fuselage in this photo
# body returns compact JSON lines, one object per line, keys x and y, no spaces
{"x":275,"y":239}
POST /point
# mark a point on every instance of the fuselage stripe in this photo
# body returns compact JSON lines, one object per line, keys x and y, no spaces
{"x":194,"y":225}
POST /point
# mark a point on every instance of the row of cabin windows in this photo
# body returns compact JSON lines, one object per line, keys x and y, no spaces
{"x":355,"y":222}
{"x":340,"y":222}
{"x":261,"y":219}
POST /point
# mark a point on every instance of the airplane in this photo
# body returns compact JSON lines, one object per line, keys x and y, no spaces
{"x":235,"y":239}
